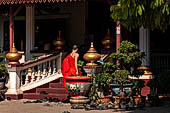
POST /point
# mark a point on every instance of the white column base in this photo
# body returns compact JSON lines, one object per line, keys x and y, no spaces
{"x":14,"y":92}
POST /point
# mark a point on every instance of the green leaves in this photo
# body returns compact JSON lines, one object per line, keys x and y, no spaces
{"x":136,"y":13}
{"x":129,"y":59}
{"x":121,"y":76}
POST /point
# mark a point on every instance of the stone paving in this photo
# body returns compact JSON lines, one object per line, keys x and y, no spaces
{"x":20,"y":107}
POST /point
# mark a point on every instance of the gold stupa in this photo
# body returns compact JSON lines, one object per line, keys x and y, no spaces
{"x":13,"y":56}
{"x":91,"y":56}
{"x":59,"y":42}
{"x":107,"y":41}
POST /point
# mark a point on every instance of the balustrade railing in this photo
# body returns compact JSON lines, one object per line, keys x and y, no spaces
{"x":35,"y":71}
{"x":44,"y":66}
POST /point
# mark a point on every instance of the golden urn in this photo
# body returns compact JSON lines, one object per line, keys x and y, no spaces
{"x":13,"y":56}
{"x":59,"y":42}
{"x":107,"y":41}
{"x":91,"y":56}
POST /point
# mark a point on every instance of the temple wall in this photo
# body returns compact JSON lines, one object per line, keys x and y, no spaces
{"x":1,"y":34}
{"x":74,"y":14}
{"x":75,"y":24}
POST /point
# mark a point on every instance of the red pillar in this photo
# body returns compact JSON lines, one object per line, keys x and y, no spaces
{"x":11,"y":28}
{"x":118,"y":35}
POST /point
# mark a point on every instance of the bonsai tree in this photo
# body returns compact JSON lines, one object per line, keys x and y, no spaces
{"x":137,"y":86}
{"x":124,"y":64}
{"x":3,"y":73}
{"x":101,"y":82}
{"x":3,"y":70}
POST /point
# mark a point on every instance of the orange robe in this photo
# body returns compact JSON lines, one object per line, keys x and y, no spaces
{"x":69,"y":69}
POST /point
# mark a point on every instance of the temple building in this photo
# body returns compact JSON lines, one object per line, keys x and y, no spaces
{"x":35,"y":26}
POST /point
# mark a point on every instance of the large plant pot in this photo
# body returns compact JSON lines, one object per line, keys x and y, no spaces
{"x":78,"y":85}
{"x":116,"y":88}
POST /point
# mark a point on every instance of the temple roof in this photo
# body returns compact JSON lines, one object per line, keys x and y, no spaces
{"x":32,"y":1}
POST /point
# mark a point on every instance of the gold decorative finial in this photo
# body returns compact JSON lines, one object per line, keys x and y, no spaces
{"x":13,"y":56}
{"x":107,"y":41}
{"x":91,"y":56}
{"x":59,"y":42}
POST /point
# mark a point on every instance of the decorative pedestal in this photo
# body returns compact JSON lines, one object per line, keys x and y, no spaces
{"x":147,"y":76}
{"x":79,"y":101}
{"x":92,"y":69}
{"x":14,"y":92}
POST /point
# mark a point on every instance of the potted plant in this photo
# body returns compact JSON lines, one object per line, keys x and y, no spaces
{"x":3,"y":74}
{"x":124,"y":64}
{"x":137,"y":86}
{"x":102,"y":87}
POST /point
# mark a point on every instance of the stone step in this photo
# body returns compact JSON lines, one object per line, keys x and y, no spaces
{"x":39,"y":96}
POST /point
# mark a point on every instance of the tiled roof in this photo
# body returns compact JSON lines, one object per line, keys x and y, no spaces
{"x":33,"y":1}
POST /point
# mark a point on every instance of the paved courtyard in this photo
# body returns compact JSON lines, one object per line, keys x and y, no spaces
{"x":20,"y":107}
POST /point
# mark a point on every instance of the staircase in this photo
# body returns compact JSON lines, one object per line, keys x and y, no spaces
{"x":37,"y":79}
{"x":53,"y":89}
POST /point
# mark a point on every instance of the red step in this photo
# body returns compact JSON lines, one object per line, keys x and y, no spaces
{"x":56,"y":85}
{"x":52,"y":90}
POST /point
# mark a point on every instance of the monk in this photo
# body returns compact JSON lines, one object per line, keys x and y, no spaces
{"x":69,"y":66}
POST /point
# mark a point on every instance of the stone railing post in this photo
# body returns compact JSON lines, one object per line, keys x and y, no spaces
{"x":14,"y":91}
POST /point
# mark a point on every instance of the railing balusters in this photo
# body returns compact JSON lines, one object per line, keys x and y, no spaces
{"x":22,"y":78}
{"x":44,"y":71}
{"x":49,"y":68}
{"x":38,"y":74}
{"x":54,"y":67}
{"x":33,"y":75}
{"x":28,"y":71}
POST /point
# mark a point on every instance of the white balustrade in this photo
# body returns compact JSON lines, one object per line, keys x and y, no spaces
{"x":33,"y":75}
{"x":38,"y":74}
{"x":49,"y":68}
{"x":33,"y":71}
{"x":44,"y":71}
{"x":54,"y":66}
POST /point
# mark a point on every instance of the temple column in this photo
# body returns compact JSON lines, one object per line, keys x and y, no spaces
{"x":118,"y":35}
{"x":11,"y":28}
{"x":144,"y":45}
{"x":30,"y":34}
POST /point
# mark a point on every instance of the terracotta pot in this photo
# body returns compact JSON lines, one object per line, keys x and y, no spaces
{"x":137,"y":99}
{"x":105,"y":99}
